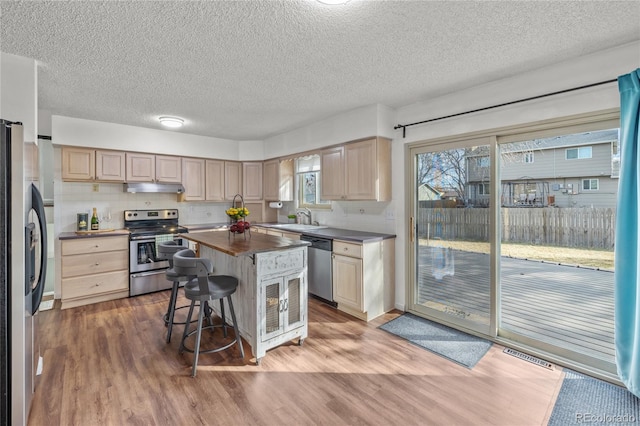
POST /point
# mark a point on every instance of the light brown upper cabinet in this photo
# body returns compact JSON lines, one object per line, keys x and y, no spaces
{"x":278,"y":180}
{"x":193,"y":179}
{"x":168,"y":169}
{"x":214,"y":180}
{"x":232,"y":179}
{"x":332,"y":173}
{"x":110,"y":166}
{"x":153,"y":168}
{"x":252,"y":181}
{"x":86,"y":164}
{"x":141,"y":167}
{"x":357,"y":171}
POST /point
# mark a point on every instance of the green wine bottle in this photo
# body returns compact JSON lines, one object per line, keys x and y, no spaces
{"x":95,"y":225}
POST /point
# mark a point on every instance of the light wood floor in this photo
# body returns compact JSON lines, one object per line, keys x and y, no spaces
{"x":108,"y":364}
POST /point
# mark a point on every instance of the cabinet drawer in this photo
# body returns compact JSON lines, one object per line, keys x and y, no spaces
{"x":347,"y":249}
{"x":95,"y":284}
{"x":90,"y":264}
{"x":94,"y":245}
{"x":280,"y":261}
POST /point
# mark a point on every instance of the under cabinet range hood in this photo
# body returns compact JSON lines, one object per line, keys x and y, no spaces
{"x":175,"y":188}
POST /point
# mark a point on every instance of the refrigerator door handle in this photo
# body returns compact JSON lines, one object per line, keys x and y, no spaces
{"x":38,"y":205}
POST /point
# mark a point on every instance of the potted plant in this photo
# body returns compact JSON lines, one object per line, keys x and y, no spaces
{"x":292,"y":218}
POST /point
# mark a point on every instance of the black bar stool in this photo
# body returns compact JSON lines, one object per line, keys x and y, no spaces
{"x":203,"y":288}
{"x":166,"y":250}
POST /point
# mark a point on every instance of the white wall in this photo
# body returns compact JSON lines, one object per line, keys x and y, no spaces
{"x":18,"y":93}
{"x":98,"y":134}
{"x":351,"y":125}
{"x":588,"y":69}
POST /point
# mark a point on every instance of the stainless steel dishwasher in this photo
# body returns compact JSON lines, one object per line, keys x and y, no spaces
{"x":319,"y":269}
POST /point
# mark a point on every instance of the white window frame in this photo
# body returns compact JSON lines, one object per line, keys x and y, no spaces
{"x":527,"y":157}
{"x":484,"y":189}
{"x":312,"y":167}
{"x":590,"y":184}
{"x":582,"y":153}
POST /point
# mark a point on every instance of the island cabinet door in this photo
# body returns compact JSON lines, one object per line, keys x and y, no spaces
{"x":283,"y":302}
{"x":295,"y":301}
{"x":272,"y":306}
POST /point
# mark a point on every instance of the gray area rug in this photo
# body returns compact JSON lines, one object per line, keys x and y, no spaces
{"x":447,"y":342}
{"x":583,"y":400}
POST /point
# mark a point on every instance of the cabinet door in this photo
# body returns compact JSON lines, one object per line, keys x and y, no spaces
{"x":347,"y":281}
{"x":252,"y":181}
{"x":232,"y":179}
{"x":214,"y":180}
{"x":271,"y":187}
{"x":110,"y":165}
{"x":193,"y":179}
{"x":332,"y":173}
{"x":141,"y":167}
{"x":360,"y":170}
{"x":287,"y":176}
{"x":295,"y":300}
{"x":78,"y":163}
{"x":271,"y":308}
{"x":168,"y":169}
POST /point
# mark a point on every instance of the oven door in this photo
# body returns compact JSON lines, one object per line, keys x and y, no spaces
{"x":143,"y":256}
{"x":143,"y":253}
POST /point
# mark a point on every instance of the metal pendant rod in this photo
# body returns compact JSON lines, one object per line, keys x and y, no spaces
{"x":404,"y":126}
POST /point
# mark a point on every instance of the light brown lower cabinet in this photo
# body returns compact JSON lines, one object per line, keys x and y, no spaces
{"x":94,"y":270}
{"x":363,"y":277}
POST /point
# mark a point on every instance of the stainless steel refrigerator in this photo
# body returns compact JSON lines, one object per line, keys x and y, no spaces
{"x":23,"y":255}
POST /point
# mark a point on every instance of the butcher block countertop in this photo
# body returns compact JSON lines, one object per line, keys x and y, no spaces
{"x":239,"y":246}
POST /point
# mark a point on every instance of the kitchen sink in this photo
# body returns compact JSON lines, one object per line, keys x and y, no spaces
{"x":297,"y":227}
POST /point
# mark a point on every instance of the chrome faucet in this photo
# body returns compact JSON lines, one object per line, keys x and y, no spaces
{"x":307,"y":214}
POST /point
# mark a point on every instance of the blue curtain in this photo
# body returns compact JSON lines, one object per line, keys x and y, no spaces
{"x":627,"y":260}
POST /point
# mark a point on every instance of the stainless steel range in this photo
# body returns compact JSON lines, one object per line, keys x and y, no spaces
{"x":148,"y":228}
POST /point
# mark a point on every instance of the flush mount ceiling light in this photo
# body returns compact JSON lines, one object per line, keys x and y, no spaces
{"x":173,"y":122}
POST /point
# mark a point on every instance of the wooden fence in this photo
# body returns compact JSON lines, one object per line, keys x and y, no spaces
{"x":592,"y":228}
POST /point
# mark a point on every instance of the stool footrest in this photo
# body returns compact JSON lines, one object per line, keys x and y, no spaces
{"x":209,"y":351}
{"x":165,"y":317}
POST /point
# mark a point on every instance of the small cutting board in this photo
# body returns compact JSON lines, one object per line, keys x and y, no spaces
{"x":99,"y":231}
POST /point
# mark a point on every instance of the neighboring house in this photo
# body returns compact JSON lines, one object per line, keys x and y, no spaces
{"x":578,"y":170}
{"x":427,"y":192}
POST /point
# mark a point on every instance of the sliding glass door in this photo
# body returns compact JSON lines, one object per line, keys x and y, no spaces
{"x":512,"y":237}
{"x":557,"y":213}
{"x":451,"y":234}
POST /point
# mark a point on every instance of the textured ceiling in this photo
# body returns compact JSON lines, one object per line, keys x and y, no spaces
{"x":251,"y":69}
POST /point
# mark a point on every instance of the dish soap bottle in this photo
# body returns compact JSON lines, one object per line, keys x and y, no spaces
{"x":95,"y":225}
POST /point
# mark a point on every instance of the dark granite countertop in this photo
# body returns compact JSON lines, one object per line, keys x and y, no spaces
{"x":337,"y":233}
{"x":93,"y":234}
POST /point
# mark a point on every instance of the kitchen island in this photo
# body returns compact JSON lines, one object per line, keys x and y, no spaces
{"x":271,"y":299}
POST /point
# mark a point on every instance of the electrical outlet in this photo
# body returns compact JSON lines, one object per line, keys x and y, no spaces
{"x":96,"y":187}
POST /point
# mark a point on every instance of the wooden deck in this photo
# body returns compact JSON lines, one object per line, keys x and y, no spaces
{"x":566,"y":306}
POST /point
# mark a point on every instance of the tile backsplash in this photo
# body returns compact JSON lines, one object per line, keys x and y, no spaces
{"x":79,"y":197}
